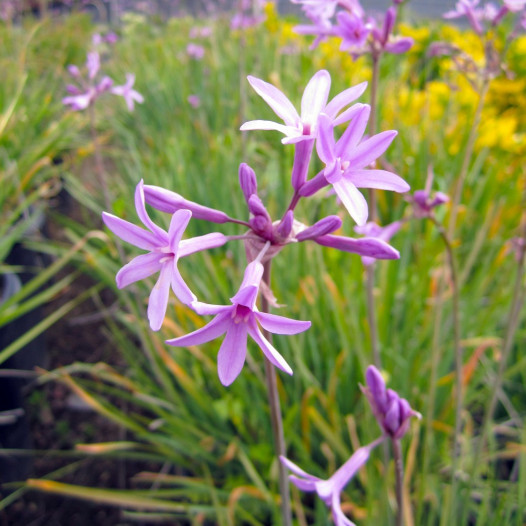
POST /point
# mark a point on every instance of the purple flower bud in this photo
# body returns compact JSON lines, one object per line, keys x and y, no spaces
{"x":72,"y":89}
{"x":399,"y":45}
{"x":104,"y":85}
{"x":74,"y":71}
{"x":93,"y":64}
{"x":167,"y":201}
{"x":256,"y":207}
{"x":111,"y":38}
{"x":389,"y":22}
{"x":285,"y":226}
{"x":323,"y":226}
{"x":247,"y":181}
{"x":366,"y":246}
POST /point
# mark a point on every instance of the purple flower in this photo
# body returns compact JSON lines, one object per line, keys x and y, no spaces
{"x":353,"y":31}
{"x":195,"y":51}
{"x":314,"y":101}
{"x":164,"y":250}
{"x":237,"y":322}
{"x":467,"y":8}
{"x":194,"y":101}
{"x":391,"y":411}
{"x":372,"y":230}
{"x":346,"y":162}
{"x":81,"y":100}
{"x":330,"y":490}
{"x":127,"y":91}
{"x":93,"y":64}
{"x":424,"y":203}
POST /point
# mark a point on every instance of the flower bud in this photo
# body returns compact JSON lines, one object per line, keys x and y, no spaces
{"x":323,"y":226}
{"x":247,"y":181}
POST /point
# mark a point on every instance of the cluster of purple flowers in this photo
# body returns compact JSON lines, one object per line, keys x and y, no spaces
{"x":392,"y":413}
{"x":359,"y":32}
{"x":347,"y":168}
{"x":91,"y":83}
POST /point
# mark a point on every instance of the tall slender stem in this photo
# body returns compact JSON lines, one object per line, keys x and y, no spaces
{"x":468,"y":153}
{"x":459,"y":358}
{"x":275,"y":415}
{"x":399,"y":475}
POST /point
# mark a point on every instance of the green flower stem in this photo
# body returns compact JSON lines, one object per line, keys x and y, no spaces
{"x":275,"y":415}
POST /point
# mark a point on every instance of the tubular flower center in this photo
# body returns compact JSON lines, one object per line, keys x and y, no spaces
{"x":241,"y":314}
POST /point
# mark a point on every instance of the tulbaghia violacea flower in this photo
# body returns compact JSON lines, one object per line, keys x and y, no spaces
{"x":194,"y":101}
{"x":392,"y":412}
{"x":352,"y":30}
{"x":80,"y":100}
{"x":424,"y":203}
{"x":347,"y":161}
{"x":195,"y":51}
{"x":469,"y":9}
{"x":314,"y":101}
{"x":372,"y":230}
{"x":330,"y":490}
{"x":164,"y":250}
{"x":237,"y":322}
{"x":128,"y":93}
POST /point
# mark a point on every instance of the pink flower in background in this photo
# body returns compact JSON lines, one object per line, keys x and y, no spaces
{"x":128,"y":93}
{"x":194,"y":101}
{"x":195,"y":51}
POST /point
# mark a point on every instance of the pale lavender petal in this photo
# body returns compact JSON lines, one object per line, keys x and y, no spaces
{"x":296,"y":469}
{"x":342,"y":99}
{"x":365,"y":246}
{"x":303,"y":485}
{"x":232,"y":353}
{"x":178,"y":224}
{"x":268,"y":125}
{"x":140,"y":267}
{"x":180,"y":288}
{"x":207,"y":309}
{"x":140,"y":206}
{"x":276,"y":100}
{"x":281,"y":325}
{"x":158,"y":301}
{"x":248,"y":291}
{"x":93,"y":64}
{"x":379,"y":179}
{"x":168,"y":201}
{"x":199,"y":243}
{"x":325,"y":143}
{"x":315,"y":97}
{"x":354,"y":132}
{"x":298,"y":137}
{"x":400,"y":45}
{"x":209,"y":332}
{"x":339,"y":518}
{"x":352,"y":199}
{"x":130,"y":233}
{"x":348,"y":114}
{"x":368,"y":151}
{"x":273,"y":356}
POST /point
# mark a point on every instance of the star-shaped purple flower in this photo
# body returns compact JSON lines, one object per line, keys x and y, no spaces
{"x":314,"y":101}
{"x":238,"y":321}
{"x":164,"y":250}
{"x":346,"y":162}
{"x":127,"y":91}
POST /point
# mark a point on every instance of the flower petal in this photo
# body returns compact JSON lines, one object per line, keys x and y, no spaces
{"x":129,"y":232}
{"x":196,"y":244}
{"x":281,"y":325}
{"x":325,"y":143}
{"x":180,"y":288}
{"x":342,"y":99}
{"x":352,"y":199}
{"x":276,"y":100}
{"x":232,"y":353}
{"x":354,"y":132}
{"x":209,"y":332}
{"x":273,"y":356}
{"x":379,"y":179}
{"x":268,"y":125}
{"x":138,"y":268}
{"x":368,"y":151}
{"x":178,"y":224}
{"x":315,"y":97}
{"x":207,"y":309}
{"x":296,"y":469}
{"x":366,"y":246}
{"x":140,"y":206}
{"x":159,"y":297}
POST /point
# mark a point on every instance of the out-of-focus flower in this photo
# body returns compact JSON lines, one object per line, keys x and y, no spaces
{"x":469,"y":9}
{"x":238,"y":321}
{"x":330,"y":490}
{"x":314,"y":101}
{"x":195,"y":51}
{"x":392,"y":412}
{"x":164,"y":250}
{"x":372,"y":230}
{"x":194,"y":101}
{"x":128,"y":93}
